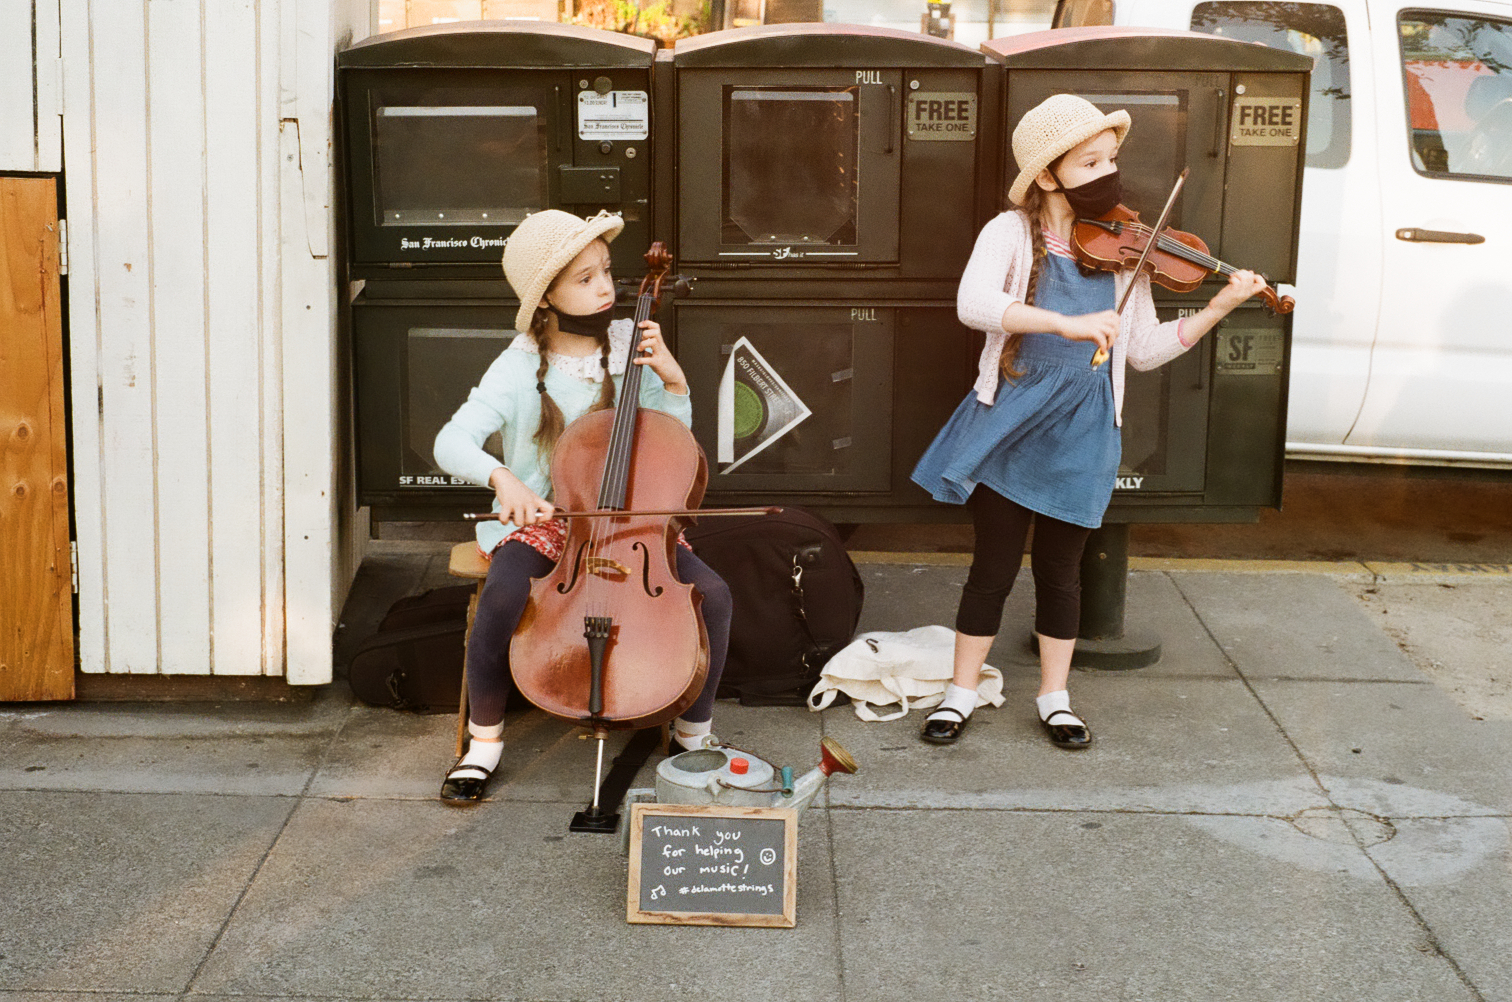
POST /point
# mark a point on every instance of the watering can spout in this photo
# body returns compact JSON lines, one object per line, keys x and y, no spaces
{"x":833,"y":758}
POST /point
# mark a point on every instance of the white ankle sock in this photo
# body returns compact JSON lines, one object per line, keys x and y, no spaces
{"x":483,"y":755}
{"x":488,"y":732}
{"x":690,"y":735}
{"x":481,"y":752}
{"x":1051,"y":702}
{"x":958,"y":698}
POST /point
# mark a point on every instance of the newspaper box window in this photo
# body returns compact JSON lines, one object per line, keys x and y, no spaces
{"x":458,"y":164}
{"x":414,"y":364}
{"x":790,"y":167}
{"x":807,"y":149}
{"x":793,"y":398}
{"x":801,"y":167}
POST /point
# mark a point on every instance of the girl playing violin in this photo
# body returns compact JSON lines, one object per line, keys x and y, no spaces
{"x":566,"y":360}
{"x":1037,"y":439}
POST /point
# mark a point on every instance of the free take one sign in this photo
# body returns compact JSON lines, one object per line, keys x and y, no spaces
{"x":1265,"y":121}
{"x":943,"y":116}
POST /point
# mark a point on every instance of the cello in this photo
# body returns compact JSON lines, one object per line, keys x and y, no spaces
{"x":610,"y":638}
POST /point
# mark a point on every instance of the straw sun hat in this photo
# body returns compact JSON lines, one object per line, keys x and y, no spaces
{"x":542,"y":245}
{"x":1052,"y":127}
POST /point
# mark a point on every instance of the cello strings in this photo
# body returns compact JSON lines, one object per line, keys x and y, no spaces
{"x":609,"y":486}
{"x":617,"y":465}
{"x":614,"y":482}
{"x":596,"y":603}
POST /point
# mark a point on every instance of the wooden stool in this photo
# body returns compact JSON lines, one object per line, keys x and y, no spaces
{"x":467,"y":561}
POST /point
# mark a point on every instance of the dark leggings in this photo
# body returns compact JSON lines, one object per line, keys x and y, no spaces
{"x":503,"y":600}
{"x":1001,"y":526}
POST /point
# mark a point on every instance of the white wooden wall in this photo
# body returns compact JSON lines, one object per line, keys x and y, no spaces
{"x":212,"y":532}
{"x":31,"y":136}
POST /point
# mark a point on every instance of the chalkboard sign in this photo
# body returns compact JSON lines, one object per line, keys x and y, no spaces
{"x":710,"y":865}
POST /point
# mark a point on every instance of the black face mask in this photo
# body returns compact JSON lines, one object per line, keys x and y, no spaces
{"x":1096,"y":198}
{"x":587,"y":324}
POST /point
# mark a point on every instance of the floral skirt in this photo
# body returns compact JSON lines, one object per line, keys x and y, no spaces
{"x":547,"y":538}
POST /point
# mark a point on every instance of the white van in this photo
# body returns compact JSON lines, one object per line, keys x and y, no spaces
{"x":1402,"y":344}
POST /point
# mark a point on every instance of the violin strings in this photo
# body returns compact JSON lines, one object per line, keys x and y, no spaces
{"x":1176,"y":247}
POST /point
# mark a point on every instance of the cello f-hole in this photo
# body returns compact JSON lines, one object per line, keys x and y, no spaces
{"x":646,"y":570}
{"x":577,"y":565}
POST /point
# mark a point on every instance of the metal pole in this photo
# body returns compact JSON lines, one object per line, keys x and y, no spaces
{"x":1104,"y":577}
{"x":1103,"y":642}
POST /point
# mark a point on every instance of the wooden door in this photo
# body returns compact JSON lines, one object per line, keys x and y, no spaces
{"x":36,"y":593}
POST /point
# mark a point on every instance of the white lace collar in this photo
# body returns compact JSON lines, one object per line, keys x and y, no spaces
{"x":589,"y":367}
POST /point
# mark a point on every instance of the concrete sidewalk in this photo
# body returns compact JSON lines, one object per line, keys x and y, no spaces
{"x":1285,"y":807}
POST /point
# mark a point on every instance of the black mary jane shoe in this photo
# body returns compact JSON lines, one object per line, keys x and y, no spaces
{"x":943,"y":731}
{"x":467,"y":788}
{"x":1071,"y":735}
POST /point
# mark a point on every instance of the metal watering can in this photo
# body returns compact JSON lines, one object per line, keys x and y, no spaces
{"x":736,"y":778}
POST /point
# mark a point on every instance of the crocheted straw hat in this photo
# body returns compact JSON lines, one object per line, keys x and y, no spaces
{"x":1051,"y":128}
{"x":542,"y":245}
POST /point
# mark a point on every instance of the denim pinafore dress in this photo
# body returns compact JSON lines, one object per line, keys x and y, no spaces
{"x":1049,"y":440}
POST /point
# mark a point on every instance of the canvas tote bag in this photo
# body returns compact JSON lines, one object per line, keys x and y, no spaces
{"x":908,"y":670}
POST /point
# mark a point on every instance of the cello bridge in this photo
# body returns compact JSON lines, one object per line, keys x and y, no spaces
{"x":605,"y":567}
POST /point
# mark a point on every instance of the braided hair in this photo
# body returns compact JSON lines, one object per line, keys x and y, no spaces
{"x":552,"y":423}
{"x":1031,"y":208}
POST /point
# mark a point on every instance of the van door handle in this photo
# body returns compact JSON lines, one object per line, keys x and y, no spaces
{"x":1415,"y":235}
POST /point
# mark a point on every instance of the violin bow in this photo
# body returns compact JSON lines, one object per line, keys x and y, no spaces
{"x":1102,"y":356}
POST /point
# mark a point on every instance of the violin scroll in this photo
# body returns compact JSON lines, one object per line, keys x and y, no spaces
{"x":1274,"y":303}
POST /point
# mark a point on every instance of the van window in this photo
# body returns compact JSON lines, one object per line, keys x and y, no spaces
{"x":1457,"y":72}
{"x":1080,"y":13}
{"x":1313,"y":29}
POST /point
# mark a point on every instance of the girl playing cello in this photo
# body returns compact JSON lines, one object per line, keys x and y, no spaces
{"x":563,"y":363}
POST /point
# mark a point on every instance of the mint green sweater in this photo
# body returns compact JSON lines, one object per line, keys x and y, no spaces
{"x":506,"y":401}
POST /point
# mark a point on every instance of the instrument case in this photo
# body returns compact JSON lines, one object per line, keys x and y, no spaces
{"x":414,"y":661}
{"x":797,"y":599}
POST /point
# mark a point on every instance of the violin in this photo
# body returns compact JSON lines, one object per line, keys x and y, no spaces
{"x":611,"y":638}
{"x":1176,"y":260}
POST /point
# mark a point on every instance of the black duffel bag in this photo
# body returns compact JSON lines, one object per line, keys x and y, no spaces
{"x":797,"y":598}
{"x":414,"y":661}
